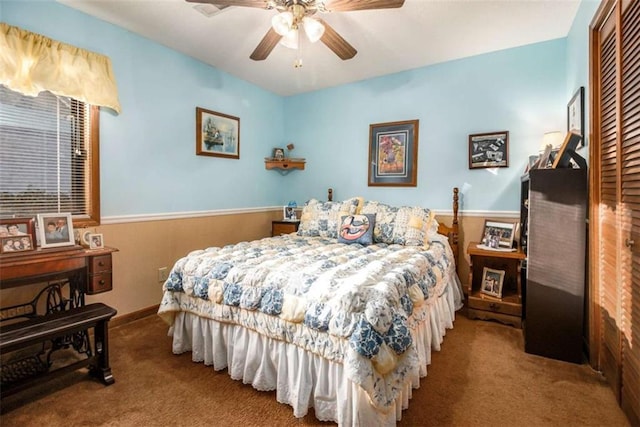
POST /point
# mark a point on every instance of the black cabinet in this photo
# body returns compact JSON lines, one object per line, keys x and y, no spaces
{"x":554,"y":235}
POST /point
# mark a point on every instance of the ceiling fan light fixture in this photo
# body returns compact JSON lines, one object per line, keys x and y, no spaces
{"x":290,"y":39}
{"x":282,"y":23}
{"x":313,"y":29}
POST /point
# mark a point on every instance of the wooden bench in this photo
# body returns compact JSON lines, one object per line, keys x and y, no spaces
{"x":56,"y":326}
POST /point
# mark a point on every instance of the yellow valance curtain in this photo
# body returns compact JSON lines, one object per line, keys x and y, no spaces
{"x":31,"y":63}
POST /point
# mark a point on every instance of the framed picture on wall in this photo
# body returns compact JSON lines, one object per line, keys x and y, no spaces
{"x":489,"y":150}
{"x":217,"y":134}
{"x":393,"y":154}
{"x":575,"y":114}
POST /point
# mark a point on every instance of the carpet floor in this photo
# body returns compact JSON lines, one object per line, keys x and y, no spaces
{"x":481,"y":377}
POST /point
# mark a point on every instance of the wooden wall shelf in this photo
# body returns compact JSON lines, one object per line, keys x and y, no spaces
{"x":284,"y":166}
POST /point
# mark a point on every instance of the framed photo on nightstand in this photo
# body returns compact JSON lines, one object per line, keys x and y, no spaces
{"x":289,"y":213}
{"x":492,"y":281}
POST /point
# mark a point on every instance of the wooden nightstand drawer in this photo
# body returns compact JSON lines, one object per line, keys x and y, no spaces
{"x":498,"y":306}
{"x":100,"y":264}
{"x":284,"y":227}
{"x":99,"y":283}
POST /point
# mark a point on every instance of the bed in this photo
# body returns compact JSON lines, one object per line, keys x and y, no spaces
{"x":340,"y":316}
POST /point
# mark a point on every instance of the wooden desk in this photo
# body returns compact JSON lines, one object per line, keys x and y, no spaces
{"x":56,"y":315}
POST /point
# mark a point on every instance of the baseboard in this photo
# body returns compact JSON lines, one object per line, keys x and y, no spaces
{"x":130,"y":317}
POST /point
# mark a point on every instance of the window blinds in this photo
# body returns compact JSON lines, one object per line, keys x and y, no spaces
{"x":45,"y":154}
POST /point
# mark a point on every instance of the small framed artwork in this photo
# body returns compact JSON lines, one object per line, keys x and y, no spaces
{"x":217,"y":134}
{"x":498,"y":235}
{"x":55,"y":230}
{"x":21,"y":229}
{"x":393,"y":154}
{"x":575,"y":114}
{"x":289,"y":213}
{"x":278,"y":154}
{"x":492,"y":281}
{"x":489,"y":150}
{"x":96,"y":241}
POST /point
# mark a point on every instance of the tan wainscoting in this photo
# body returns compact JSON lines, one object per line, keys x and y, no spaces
{"x":146,"y":246}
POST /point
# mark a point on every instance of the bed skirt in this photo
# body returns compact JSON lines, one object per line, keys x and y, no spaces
{"x":305,"y":380}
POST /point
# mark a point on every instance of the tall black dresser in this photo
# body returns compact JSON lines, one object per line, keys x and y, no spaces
{"x":554,"y":227}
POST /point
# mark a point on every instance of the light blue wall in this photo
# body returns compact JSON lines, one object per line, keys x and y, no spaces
{"x":148,"y":161}
{"x":578,"y":56}
{"x":148,"y":152}
{"x":520,"y":90}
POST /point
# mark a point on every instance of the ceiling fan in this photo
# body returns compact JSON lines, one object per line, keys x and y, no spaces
{"x":295,"y":14}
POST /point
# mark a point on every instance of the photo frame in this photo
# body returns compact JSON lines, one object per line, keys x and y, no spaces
{"x":278,"y":153}
{"x":217,"y":134}
{"x":575,"y":114}
{"x":567,"y":152}
{"x":393,"y":154}
{"x":498,"y":235}
{"x":489,"y":150}
{"x":96,"y":241}
{"x":55,"y":230}
{"x":492,"y":281}
{"x":18,"y":228}
{"x":11,"y":244}
{"x":289,"y":213}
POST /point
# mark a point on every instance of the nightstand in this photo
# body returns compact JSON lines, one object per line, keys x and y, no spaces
{"x":507,"y":308}
{"x":284,"y":227}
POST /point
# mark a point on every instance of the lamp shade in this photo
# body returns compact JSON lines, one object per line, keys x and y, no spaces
{"x":290,"y":39}
{"x":282,"y":22}
{"x":313,"y":29}
{"x":554,"y":139}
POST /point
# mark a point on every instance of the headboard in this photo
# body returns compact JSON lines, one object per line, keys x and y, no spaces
{"x":451,"y":232}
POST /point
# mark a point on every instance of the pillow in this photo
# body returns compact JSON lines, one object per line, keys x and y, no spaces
{"x":409,"y":226}
{"x":321,"y":219}
{"x":357,"y":229}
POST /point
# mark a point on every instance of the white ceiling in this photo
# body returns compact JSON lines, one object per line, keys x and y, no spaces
{"x":420,"y":33}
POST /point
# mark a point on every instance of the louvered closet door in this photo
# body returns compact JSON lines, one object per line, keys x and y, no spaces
{"x":607,"y":227}
{"x":630,"y":175}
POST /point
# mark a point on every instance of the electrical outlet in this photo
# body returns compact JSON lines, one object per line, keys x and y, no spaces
{"x":163,"y":274}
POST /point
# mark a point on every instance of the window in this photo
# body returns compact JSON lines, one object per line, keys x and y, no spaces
{"x":49,"y":157}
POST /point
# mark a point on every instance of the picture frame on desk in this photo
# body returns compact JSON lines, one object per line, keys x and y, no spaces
{"x":22,"y":230}
{"x":55,"y":230}
{"x":12,"y":244}
{"x":96,"y":241}
{"x":492,"y":281}
{"x":498,"y":235}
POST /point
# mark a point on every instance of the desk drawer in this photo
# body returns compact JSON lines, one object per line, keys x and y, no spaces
{"x":99,"y":283}
{"x":100,"y":264}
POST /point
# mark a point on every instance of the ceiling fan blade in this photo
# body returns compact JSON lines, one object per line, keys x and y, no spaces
{"x":262,"y":4}
{"x":347,"y":5}
{"x":268,"y":42}
{"x":336,"y":43}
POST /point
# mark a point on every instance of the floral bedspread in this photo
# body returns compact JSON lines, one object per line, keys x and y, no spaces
{"x":352,"y":304}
